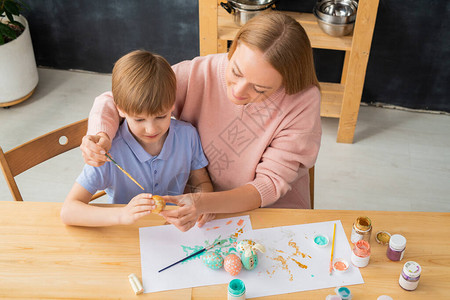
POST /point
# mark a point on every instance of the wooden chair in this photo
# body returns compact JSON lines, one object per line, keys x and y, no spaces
{"x":311,"y":187}
{"x":38,"y":150}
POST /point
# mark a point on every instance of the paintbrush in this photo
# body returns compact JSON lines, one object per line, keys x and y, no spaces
{"x":192,"y":255}
{"x":332,"y":249}
{"x":125,"y":172}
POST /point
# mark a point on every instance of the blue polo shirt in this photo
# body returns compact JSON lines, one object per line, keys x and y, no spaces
{"x":163,"y":174}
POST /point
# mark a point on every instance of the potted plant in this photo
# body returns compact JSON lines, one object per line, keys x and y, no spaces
{"x":18,"y":71}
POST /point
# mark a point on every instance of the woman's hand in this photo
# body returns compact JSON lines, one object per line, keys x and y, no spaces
{"x":205,"y":218}
{"x":141,"y":205}
{"x":94,"y":147}
{"x":184,"y":217}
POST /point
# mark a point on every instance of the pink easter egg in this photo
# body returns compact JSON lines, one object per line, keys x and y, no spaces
{"x":232,"y":264}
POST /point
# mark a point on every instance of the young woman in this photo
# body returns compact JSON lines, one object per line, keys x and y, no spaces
{"x":257,"y":111}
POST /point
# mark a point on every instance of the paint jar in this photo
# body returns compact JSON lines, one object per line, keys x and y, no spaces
{"x":362,"y":228}
{"x":236,"y":290}
{"x":361,"y":254}
{"x":340,"y":265}
{"x":396,"y":249}
{"x":409,"y":278}
{"x":383,"y":237}
{"x":343,"y":292}
{"x":321,"y":240}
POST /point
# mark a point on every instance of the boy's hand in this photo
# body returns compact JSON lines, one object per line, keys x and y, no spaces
{"x":184,"y":217}
{"x":94,"y":147}
{"x":141,"y":205}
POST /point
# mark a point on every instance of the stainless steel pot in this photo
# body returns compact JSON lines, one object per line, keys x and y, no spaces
{"x":336,"y":17}
{"x":244,"y":10}
{"x":335,"y":29}
{"x":336,"y":11}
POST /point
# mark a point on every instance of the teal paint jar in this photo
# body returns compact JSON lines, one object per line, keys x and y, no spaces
{"x":236,"y":290}
{"x":344,"y":293}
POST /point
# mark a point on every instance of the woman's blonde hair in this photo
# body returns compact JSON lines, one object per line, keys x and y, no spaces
{"x":143,"y":82}
{"x":285,"y":45}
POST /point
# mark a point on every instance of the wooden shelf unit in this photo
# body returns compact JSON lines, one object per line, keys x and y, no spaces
{"x":339,"y":100}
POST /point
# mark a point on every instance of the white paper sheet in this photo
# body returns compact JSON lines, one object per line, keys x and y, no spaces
{"x":163,"y":245}
{"x":291,"y":263}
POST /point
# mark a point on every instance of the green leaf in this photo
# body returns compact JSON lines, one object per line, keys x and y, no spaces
{"x":12,"y":7}
{"x":2,"y":27}
{"x":2,"y":40}
{"x":7,"y":31}
{"x":10,"y":17}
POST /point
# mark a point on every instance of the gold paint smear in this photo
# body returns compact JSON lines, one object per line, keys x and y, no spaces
{"x":297,"y":250}
{"x":284,"y":266}
{"x":270,"y":273}
{"x":238,"y":233}
{"x":300,"y":264}
{"x":283,"y":260}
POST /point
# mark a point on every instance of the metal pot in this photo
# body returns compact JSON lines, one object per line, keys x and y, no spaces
{"x":336,"y":17}
{"x":336,"y":11}
{"x":334,"y":29}
{"x":244,"y":10}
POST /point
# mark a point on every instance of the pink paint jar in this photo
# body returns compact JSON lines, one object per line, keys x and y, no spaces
{"x":396,"y":249}
{"x":360,"y":254}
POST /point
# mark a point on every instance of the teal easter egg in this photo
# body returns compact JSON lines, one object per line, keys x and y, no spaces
{"x":212,"y":260}
{"x":249,"y":262}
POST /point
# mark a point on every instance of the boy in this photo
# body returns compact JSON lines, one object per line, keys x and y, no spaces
{"x":161,"y":153}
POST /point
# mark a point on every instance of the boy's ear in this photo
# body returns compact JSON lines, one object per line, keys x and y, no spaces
{"x":121,"y":113}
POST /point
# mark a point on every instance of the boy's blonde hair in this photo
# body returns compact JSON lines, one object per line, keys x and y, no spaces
{"x":285,"y":46}
{"x":143,"y":83}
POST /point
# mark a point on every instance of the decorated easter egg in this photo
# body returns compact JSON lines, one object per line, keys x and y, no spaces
{"x":249,"y":262}
{"x":245,"y":245}
{"x":248,"y":250}
{"x":232,"y":264}
{"x":213,"y":260}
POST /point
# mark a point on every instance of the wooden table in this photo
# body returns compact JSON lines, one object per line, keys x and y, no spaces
{"x":42,"y":258}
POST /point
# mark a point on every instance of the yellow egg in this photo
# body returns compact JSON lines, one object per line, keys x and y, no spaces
{"x":160,"y":204}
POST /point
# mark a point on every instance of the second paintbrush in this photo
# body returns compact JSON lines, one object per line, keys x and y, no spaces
{"x":192,"y":255}
{"x":125,"y":172}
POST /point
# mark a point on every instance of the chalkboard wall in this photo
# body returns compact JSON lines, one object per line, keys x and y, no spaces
{"x":409,"y":61}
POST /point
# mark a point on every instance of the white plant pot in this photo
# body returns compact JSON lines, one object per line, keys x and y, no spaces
{"x":18,"y":71}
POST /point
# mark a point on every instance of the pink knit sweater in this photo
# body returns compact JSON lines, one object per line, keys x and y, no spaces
{"x":270,"y":144}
